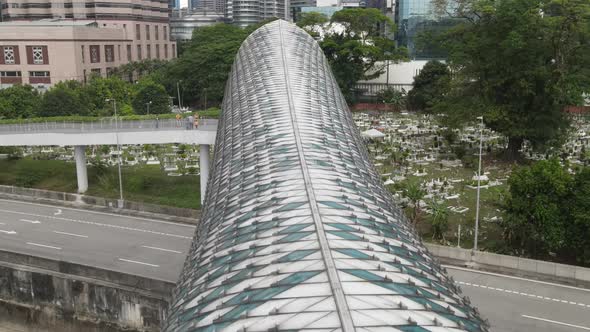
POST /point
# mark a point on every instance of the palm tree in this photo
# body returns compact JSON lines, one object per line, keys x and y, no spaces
{"x":439,"y":219}
{"x":414,"y":193}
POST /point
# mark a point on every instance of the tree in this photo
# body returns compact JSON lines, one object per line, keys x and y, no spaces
{"x":312,"y":22}
{"x":65,"y":98}
{"x":140,"y":68}
{"x":148,"y":91}
{"x":19,"y":101}
{"x":206,"y":63}
{"x":396,"y":99}
{"x":430,"y":86}
{"x":439,"y":219}
{"x":518,"y":63}
{"x":536,"y":209}
{"x":414,"y":193}
{"x":354,"y":44}
{"x":100,"y":89}
{"x":577,"y":246}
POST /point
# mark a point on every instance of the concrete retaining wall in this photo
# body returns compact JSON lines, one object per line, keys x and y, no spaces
{"x":165,"y":212}
{"x":62,"y":296}
{"x":570,"y":274}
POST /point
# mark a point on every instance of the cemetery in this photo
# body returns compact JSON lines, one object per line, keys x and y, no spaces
{"x":407,"y":149}
{"x":413,"y":149}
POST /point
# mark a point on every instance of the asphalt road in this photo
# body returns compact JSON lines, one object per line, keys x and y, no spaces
{"x":146,"y":247}
{"x":157,"y":249}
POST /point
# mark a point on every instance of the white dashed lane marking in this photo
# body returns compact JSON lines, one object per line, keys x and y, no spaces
{"x":137,"y":262}
{"x":523,"y":294}
{"x":96,"y":224}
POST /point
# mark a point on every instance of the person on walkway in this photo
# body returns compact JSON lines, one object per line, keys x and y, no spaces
{"x":190,"y":122}
{"x":196,"y":120}
{"x":178,"y":117}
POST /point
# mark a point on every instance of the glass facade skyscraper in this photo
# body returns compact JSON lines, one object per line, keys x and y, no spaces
{"x":298,"y":232}
{"x":418,"y":16}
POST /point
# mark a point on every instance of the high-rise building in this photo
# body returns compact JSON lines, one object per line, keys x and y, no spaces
{"x":298,"y":232}
{"x":414,"y":17}
{"x":247,"y":12}
{"x":143,"y":25}
{"x":183,"y":22}
{"x":174,"y":4}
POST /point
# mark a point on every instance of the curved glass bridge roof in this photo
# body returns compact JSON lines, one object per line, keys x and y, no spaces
{"x":298,"y":232}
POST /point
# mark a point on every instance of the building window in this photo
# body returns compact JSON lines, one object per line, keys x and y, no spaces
{"x":109,"y":71}
{"x":137,"y":32}
{"x":165,"y":33}
{"x":149,"y":51}
{"x":9,"y":56}
{"x":157,"y":51}
{"x":94,"y":53}
{"x":109,"y":53}
{"x":83,"y":54}
{"x":173,"y":51}
{"x":10,"y":74}
{"x":138,"y":52}
{"x":39,"y":74}
{"x":36,"y":77}
{"x":38,"y":55}
{"x":95,"y":71}
{"x":147,"y":32}
{"x":128,"y":53}
{"x":166,"y":51}
{"x":157,"y":32}
{"x":119,"y":52}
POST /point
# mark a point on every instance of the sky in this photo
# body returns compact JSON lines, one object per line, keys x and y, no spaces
{"x":183,"y":3}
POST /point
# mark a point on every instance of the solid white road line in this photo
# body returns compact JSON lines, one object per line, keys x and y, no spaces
{"x":98,"y":224}
{"x":556,"y":322}
{"x":71,"y":234}
{"x":43,"y":245}
{"x":101,"y":213}
{"x":30,"y":221}
{"x":162,"y":249}
{"x":7,"y":232}
{"x":452,"y":267}
{"x":136,"y":262}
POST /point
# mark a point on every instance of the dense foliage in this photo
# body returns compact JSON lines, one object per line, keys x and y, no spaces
{"x":72,"y":98}
{"x":518,"y":63}
{"x":547,"y":212}
{"x":354,"y":42}
{"x":430,"y":87}
{"x":19,"y":101}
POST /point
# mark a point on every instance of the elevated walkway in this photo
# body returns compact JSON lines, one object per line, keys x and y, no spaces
{"x":110,"y":132}
{"x":106,"y":132}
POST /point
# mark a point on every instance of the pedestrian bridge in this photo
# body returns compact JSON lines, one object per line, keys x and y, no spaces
{"x":107,"y":132}
{"x":111,"y":132}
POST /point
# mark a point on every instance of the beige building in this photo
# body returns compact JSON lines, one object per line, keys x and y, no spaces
{"x":58,"y":40}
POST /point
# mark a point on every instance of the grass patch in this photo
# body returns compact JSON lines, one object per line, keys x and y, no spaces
{"x":147,"y":184}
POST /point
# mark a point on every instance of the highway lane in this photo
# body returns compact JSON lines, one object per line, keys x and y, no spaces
{"x":146,"y":247}
{"x":157,"y":249}
{"x":513,"y":304}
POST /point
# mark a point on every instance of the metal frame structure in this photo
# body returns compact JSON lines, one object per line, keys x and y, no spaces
{"x":298,"y":232}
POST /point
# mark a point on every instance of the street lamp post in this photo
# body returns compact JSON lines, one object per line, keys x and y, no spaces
{"x":120,"y":202}
{"x":148,"y":107}
{"x":478,"y":184}
{"x":178,"y":91}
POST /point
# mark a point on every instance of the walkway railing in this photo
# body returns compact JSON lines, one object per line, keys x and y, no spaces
{"x":107,"y":125}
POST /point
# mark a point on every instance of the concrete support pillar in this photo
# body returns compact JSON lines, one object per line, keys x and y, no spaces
{"x":204,"y":166}
{"x":81,"y":173}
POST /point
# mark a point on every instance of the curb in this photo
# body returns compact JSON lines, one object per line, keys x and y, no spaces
{"x":81,"y":205}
